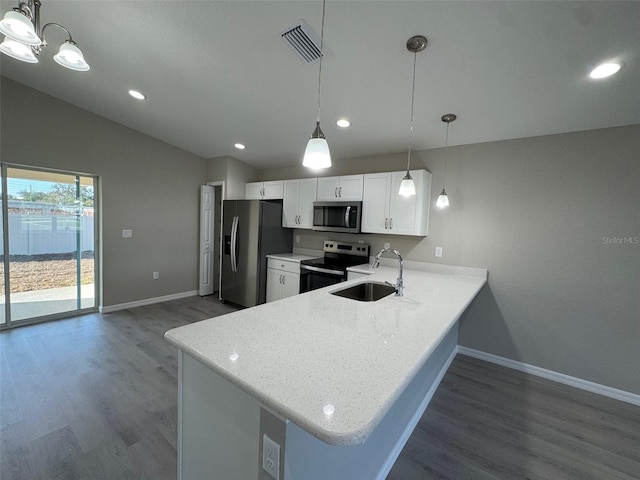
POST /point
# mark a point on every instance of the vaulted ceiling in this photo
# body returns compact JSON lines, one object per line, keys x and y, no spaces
{"x":217,"y":72}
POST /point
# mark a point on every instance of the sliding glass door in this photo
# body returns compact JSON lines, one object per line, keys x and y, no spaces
{"x":48,"y":246}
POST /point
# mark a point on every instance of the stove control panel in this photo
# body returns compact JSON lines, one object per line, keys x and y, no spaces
{"x":357,"y":249}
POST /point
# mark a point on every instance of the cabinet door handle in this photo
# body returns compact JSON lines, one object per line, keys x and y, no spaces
{"x":390,"y":223}
{"x":386,"y":223}
{"x":335,"y":192}
{"x":340,"y":192}
{"x":283,"y":279}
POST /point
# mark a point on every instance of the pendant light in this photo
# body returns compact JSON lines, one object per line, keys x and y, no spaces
{"x":317,"y":155}
{"x":415,"y":44}
{"x":25,"y":39}
{"x":443,"y":199}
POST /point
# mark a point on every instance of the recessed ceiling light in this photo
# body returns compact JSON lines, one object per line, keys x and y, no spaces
{"x":137,"y":95}
{"x":343,"y":123}
{"x":605,"y":70}
{"x":239,"y":146}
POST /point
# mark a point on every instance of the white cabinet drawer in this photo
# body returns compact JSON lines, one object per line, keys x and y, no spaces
{"x":284,"y":265}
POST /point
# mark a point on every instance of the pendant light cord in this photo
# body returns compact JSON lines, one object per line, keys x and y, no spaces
{"x":413,"y":92}
{"x":321,"y":55}
{"x":446,"y":155}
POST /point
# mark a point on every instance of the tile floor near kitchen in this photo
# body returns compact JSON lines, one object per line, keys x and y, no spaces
{"x":94,"y":397}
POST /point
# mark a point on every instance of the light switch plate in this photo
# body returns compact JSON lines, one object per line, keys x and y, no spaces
{"x":127,"y":233}
{"x":438,"y":251}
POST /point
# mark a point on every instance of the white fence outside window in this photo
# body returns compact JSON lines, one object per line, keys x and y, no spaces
{"x":38,"y":234}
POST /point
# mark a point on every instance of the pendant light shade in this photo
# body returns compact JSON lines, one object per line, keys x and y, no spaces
{"x":18,"y":27}
{"x":18,"y":50}
{"x":443,"y":198}
{"x":317,"y":154}
{"x":71,"y":57}
{"x":407,"y":186}
{"x":415,"y":44}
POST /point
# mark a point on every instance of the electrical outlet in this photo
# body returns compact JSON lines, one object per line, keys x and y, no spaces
{"x":270,"y":457}
{"x":297,"y":238}
{"x":156,"y":275}
{"x":127,"y":233}
{"x":387,"y":245}
{"x":438,"y":251}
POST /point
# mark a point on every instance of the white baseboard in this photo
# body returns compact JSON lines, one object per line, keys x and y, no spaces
{"x":147,"y":301}
{"x":554,"y":376}
{"x":404,"y":438}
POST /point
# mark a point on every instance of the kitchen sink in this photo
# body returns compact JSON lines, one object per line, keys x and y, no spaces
{"x":366,"y":292}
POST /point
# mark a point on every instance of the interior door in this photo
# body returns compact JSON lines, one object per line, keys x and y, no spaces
{"x":207,"y":219}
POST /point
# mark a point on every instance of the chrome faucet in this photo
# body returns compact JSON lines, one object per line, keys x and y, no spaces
{"x":375,"y":263}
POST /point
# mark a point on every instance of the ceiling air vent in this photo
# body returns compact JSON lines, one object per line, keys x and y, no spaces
{"x":303,"y":42}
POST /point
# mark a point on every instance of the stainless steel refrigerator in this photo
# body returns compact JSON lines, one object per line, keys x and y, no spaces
{"x":252,"y":229}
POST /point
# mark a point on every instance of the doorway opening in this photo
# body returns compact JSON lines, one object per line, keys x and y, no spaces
{"x":48,"y":264}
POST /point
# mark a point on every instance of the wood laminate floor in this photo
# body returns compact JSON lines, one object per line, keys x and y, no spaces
{"x":95,"y":397}
{"x":488,"y":422}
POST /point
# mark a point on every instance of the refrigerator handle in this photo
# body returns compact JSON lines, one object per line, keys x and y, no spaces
{"x":234,"y":244}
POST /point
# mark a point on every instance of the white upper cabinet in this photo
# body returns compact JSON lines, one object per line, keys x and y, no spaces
{"x":346,"y":188}
{"x":263,"y":190}
{"x":384,"y":211}
{"x":297,"y":204}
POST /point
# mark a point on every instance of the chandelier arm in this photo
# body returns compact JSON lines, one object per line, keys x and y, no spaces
{"x":44,"y":42}
{"x":25,"y":9}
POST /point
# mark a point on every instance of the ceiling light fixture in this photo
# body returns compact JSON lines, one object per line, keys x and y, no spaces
{"x":239,"y":146}
{"x":343,"y":123}
{"x":317,"y":155}
{"x":605,"y":70}
{"x":24,"y":37}
{"x":443,"y":198}
{"x":415,"y":44}
{"x":137,"y":95}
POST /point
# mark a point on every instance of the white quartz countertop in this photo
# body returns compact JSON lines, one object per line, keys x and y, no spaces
{"x":304,"y":353}
{"x":291,"y":257}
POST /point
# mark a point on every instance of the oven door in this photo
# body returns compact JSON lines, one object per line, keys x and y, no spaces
{"x":312,"y":278}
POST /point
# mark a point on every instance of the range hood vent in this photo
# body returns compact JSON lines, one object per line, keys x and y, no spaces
{"x":303,"y":41}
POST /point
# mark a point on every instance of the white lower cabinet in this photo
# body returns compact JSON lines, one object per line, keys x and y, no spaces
{"x":283,"y":279}
{"x":384,"y":211}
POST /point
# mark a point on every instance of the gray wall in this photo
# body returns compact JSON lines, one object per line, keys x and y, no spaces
{"x":147,"y":185}
{"x":537,"y":213}
{"x":233,"y":172}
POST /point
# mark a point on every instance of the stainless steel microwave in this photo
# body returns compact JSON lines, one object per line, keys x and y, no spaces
{"x":342,"y":217}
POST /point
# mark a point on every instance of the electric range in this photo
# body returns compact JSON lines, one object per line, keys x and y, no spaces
{"x":332,"y":268}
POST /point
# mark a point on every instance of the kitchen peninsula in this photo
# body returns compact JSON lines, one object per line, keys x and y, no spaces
{"x":339,"y":384}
